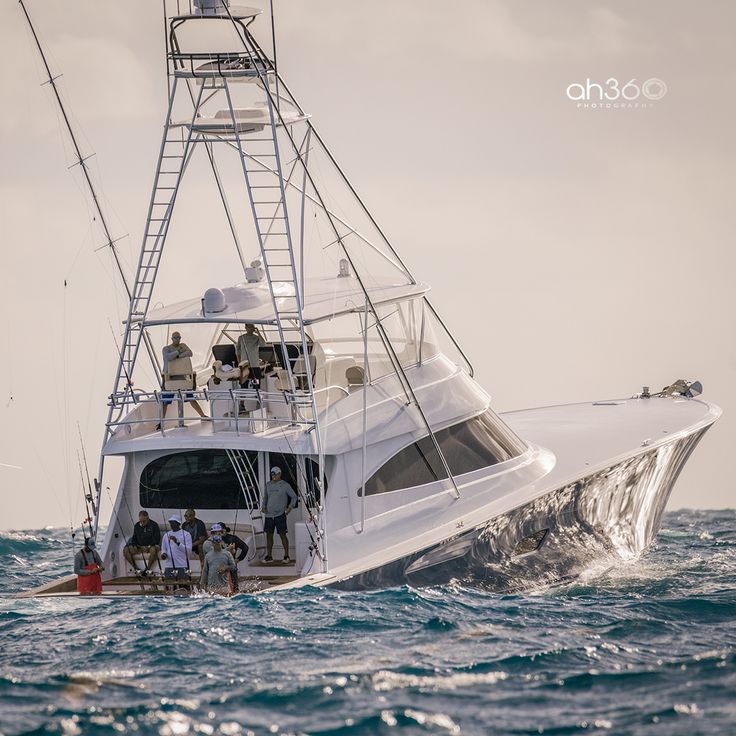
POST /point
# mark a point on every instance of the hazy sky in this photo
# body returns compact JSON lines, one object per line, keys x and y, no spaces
{"x":577,"y":253}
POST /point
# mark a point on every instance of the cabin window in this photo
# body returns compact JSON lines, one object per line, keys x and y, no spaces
{"x":201,"y":479}
{"x":415,"y":465}
{"x":476,"y":443}
{"x":206,"y":479}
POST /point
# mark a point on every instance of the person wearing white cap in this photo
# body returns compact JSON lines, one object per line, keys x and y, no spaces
{"x":215,"y":530}
{"x":219,"y":567}
{"x":176,"y":546}
{"x":278,"y":500}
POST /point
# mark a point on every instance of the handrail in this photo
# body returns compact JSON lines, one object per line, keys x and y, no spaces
{"x":328,"y":388}
{"x":297,"y":401}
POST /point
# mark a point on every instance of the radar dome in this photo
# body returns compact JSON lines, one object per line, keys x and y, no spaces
{"x":214,"y":301}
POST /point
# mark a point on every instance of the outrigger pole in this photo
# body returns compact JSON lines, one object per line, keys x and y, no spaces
{"x":82,"y":162}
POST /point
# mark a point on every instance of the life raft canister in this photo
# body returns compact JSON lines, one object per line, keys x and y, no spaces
{"x":89,"y":584}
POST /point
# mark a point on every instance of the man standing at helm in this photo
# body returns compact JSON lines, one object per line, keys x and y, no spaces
{"x":177,"y":349}
{"x":278,"y":500}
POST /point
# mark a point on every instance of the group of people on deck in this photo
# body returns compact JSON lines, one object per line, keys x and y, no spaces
{"x":248,"y":371}
{"x":219,"y":551}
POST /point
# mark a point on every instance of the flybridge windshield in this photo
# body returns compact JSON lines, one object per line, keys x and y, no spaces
{"x":334,"y":345}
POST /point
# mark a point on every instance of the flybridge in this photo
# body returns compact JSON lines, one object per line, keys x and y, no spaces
{"x":336,"y":304}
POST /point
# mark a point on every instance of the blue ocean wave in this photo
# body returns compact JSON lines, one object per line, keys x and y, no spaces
{"x":646,"y":646}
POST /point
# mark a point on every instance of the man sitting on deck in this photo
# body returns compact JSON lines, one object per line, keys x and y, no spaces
{"x":176,"y":547}
{"x":278,"y":500}
{"x":146,"y":540}
{"x":235,"y":545}
{"x":197,"y":530}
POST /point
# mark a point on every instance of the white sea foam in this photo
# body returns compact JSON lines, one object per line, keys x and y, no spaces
{"x":385,"y":680}
{"x":433,"y":719}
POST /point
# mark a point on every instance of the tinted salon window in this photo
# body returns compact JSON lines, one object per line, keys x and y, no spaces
{"x":201,"y":479}
{"x":477,"y":443}
{"x":413,"y":466}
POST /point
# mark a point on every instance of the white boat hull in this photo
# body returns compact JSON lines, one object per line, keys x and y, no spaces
{"x":614,"y":512}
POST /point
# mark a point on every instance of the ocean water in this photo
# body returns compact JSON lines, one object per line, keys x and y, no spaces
{"x":642,"y":647}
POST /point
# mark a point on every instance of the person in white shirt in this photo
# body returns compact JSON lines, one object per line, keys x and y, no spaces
{"x":176,"y":546}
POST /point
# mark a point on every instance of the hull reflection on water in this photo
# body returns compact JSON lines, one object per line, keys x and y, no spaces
{"x":615,"y":512}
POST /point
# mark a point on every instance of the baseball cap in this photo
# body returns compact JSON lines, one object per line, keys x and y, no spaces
{"x":216,"y":528}
{"x":175,"y":518}
{"x":275,"y":470}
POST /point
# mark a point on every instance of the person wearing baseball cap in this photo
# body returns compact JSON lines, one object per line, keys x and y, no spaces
{"x":219,"y":567}
{"x":176,"y":546}
{"x":278,"y":500}
{"x":216,"y":530}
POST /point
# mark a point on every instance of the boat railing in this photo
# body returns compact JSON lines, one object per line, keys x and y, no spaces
{"x":208,"y":65}
{"x":247,"y":410}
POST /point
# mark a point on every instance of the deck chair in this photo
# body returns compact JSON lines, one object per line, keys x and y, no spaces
{"x":180,"y":375}
{"x":225,"y":353}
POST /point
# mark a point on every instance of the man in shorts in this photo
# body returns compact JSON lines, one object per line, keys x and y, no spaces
{"x":278,"y":500}
{"x":146,"y":540}
{"x":176,"y":349}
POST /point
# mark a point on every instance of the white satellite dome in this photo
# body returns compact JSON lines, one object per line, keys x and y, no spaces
{"x":214,"y":300}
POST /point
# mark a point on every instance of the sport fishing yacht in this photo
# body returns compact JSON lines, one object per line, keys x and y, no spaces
{"x":353,"y":386}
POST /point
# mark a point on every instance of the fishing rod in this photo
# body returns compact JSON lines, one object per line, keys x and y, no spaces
{"x":81,"y":159}
{"x":88,"y":497}
{"x":88,"y":520}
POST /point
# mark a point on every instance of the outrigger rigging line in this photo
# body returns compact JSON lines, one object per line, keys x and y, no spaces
{"x":81,"y":161}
